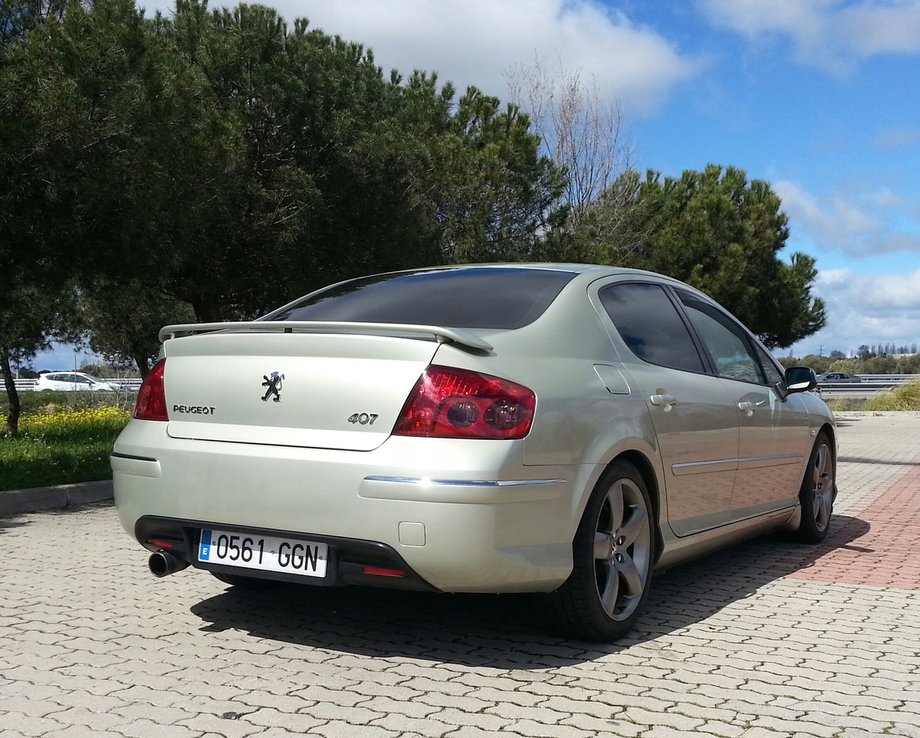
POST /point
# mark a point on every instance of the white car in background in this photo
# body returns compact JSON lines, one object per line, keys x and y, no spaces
{"x":71,"y":382}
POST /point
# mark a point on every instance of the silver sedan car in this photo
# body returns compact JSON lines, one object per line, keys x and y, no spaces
{"x":554,"y":429}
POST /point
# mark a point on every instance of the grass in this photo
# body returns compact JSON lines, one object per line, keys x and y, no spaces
{"x":847,"y":404}
{"x":63,"y":439}
{"x":905,"y":397}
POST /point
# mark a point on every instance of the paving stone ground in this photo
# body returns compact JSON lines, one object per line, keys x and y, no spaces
{"x":763,"y":640}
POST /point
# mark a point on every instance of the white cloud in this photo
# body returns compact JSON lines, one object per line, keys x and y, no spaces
{"x":476,"y":42}
{"x":882,"y":27}
{"x":864,"y":309}
{"x":878,"y":304}
{"x":875,"y":297}
{"x":753,"y":18}
{"x":830,"y":34}
{"x":879,"y":221}
{"x":898,"y":138}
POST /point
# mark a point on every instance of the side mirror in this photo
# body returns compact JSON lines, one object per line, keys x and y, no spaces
{"x":800,"y":379}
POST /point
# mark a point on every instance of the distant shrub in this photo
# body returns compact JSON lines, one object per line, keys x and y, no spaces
{"x":905,"y":397}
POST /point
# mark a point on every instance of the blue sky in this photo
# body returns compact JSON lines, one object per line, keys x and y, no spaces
{"x":819,"y":97}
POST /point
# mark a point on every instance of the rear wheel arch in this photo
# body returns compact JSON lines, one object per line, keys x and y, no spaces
{"x":645,"y":468}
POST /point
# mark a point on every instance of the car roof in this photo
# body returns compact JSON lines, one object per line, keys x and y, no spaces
{"x":583,"y":276}
{"x":575,"y":268}
{"x":584,"y":272}
{"x":589,"y":271}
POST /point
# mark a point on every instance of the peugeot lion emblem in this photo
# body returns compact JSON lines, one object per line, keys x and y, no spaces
{"x":273,"y":383}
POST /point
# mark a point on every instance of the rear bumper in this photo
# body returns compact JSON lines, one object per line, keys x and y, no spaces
{"x":454,"y":517}
{"x":350,"y":561}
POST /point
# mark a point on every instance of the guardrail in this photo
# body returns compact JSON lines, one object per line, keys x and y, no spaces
{"x":132,"y":384}
{"x":891,"y":378}
{"x":869,"y":384}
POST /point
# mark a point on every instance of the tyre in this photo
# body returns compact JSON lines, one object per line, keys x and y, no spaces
{"x":613,"y":553}
{"x":817,"y":493}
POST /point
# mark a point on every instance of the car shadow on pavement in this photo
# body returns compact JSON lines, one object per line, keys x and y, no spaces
{"x":694,"y":591}
{"x":504,"y":631}
{"x":12,"y":522}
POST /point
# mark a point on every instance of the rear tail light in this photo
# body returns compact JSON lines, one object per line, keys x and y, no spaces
{"x":151,"y":399}
{"x":457,"y":403}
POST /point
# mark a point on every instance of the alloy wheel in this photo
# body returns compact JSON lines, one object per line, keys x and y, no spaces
{"x":622,"y":549}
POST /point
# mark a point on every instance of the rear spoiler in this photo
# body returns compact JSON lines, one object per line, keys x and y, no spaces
{"x":460,"y":336}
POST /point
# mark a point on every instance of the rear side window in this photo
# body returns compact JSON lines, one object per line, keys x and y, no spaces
{"x":485,"y":297}
{"x":651,"y":326}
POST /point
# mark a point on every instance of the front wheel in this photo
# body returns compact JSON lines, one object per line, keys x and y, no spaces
{"x":817,"y":493}
{"x":613,"y":552}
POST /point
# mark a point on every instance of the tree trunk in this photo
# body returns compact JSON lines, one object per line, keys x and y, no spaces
{"x":143,"y":363}
{"x":12,"y":418}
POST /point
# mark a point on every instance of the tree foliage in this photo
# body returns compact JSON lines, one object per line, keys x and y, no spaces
{"x":35,"y":282}
{"x":719,"y":232}
{"x":310,"y":166}
{"x":103,"y":308}
{"x":29,"y":318}
{"x":235,"y":162}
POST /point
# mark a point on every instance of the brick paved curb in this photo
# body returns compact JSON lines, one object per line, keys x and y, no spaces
{"x":18,"y":501}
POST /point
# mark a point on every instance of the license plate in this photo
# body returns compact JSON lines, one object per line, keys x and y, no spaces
{"x":254,"y":551}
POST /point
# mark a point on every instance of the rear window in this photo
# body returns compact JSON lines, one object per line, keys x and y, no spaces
{"x":651,"y":326}
{"x":505,"y":298}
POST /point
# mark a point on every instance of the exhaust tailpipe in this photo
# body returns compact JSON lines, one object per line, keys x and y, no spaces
{"x":163,"y":563}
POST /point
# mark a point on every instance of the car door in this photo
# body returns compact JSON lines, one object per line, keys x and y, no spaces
{"x":693,"y":412}
{"x":63,"y":382}
{"x":792,"y":441}
{"x":773,"y":428}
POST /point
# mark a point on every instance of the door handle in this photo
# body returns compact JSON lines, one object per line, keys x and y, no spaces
{"x":748,"y":408}
{"x":663,"y":400}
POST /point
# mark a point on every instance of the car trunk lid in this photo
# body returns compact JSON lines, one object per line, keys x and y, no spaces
{"x":305,"y":389}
